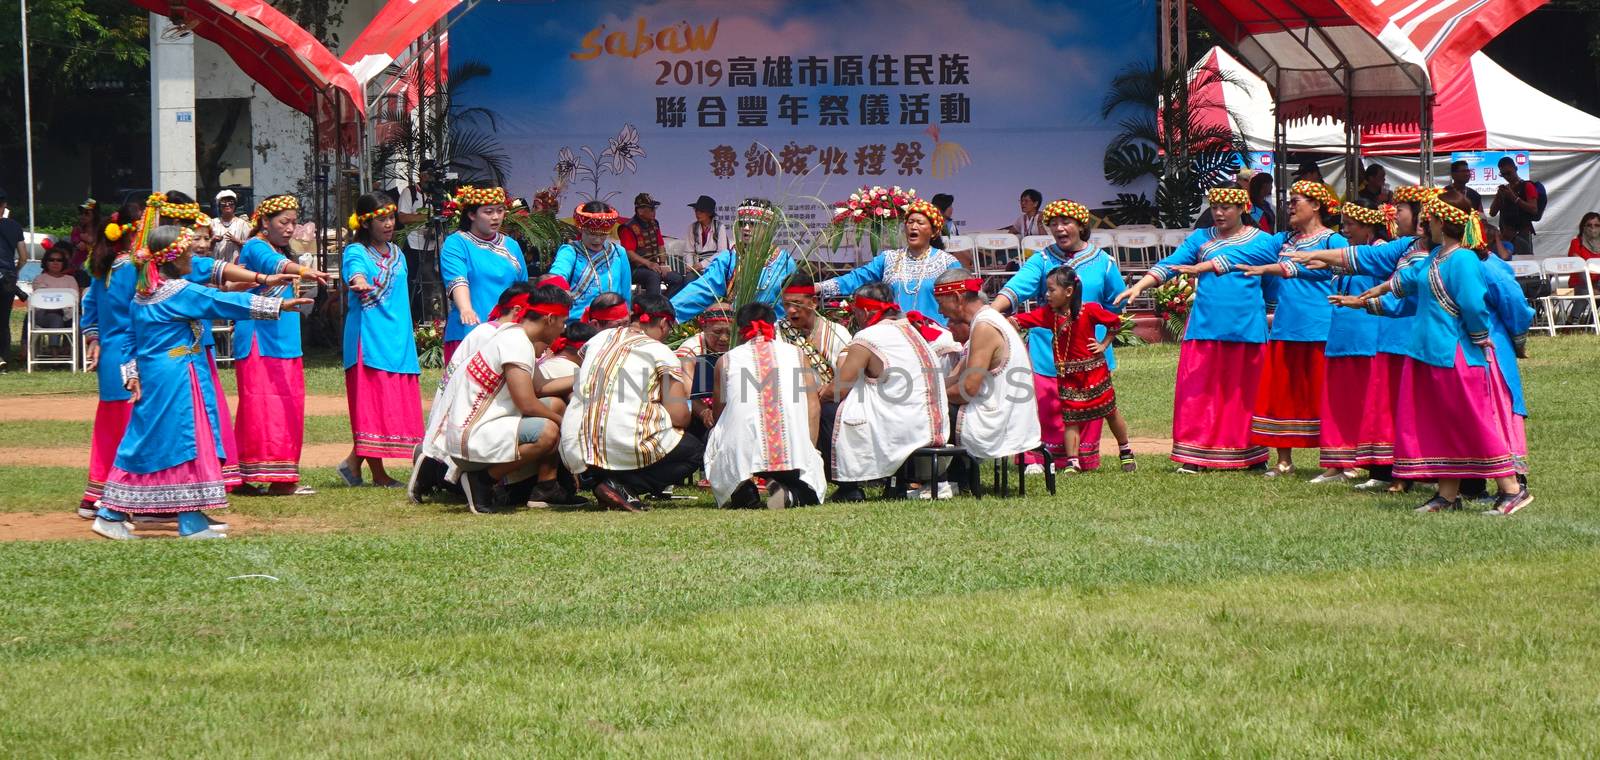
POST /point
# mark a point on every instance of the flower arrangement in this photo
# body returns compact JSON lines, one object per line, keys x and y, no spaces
{"x":620,"y":157}
{"x":430,"y":344}
{"x":873,"y":212}
{"x":1172,"y":301}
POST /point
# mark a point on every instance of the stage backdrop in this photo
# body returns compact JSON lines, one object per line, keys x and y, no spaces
{"x":794,"y":101}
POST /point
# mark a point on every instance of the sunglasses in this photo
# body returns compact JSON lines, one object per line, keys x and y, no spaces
{"x":55,"y":261}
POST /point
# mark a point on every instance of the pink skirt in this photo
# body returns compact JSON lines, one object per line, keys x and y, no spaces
{"x":450,"y":347}
{"x":385,"y":411}
{"x":1357,"y":412}
{"x":1455,"y":421}
{"x":1519,"y":442}
{"x":194,"y":485}
{"x":1212,"y":404}
{"x":1052,"y":429}
{"x":1288,"y":404}
{"x":230,"y":444}
{"x":271,"y":426}
{"x":110,"y":422}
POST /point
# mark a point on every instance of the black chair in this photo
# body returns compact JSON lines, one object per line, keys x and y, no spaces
{"x":932,"y":455}
{"x":1004,"y":465}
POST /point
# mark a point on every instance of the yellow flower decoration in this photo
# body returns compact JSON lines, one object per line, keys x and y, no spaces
{"x":480,"y":196}
{"x":1416,"y":193}
{"x":1066,"y":208}
{"x":356,"y":220}
{"x":1315,"y":191}
{"x":920,"y":206}
{"x":1232,"y":196}
{"x":274,"y":205}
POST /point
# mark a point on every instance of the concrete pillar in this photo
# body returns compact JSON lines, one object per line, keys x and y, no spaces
{"x":172,"y":139}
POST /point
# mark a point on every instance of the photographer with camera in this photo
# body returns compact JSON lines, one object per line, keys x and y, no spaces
{"x":419,"y":203}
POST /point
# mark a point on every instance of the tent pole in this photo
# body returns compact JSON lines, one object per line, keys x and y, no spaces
{"x":27,"y":127}
{"x":1352,"y":158}
{"x":1280,"y":154}
{"x":1425,"y":138}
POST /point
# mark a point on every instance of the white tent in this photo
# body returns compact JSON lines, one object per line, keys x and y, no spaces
{"x":1483,"y":108}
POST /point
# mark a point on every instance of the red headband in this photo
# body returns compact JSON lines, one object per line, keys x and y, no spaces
{"x":550,"y":309}
{"x":646,"y":317}
{"x":930,"y":329}
{"x":607,"y":314}
{"x":519,"y":306}
{"x":800,"y":290}
{"x":759,"y":328}
{"x":556,"y":280}
{"x":561,"y":344}
{"x":969,"y":285}
{"x":874,"y":307}
{"x":716,"y":315}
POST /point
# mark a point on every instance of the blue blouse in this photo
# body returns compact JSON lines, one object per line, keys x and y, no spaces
{"x":1512,"y":317}
{"x":1225,"y":308}
{"x":1099,"y":278}
{"x":590,"y":274}
{"x":1299,"y":299}
{"x":485,"y":267}
{"x":910,"y":279}
{"x":166,"y":328}
{"x":279,"y":339}
{"x":107,"y":310}
{"x":712,"y":285}
{"x":1449,"y":297}
{"x":377,"y":324}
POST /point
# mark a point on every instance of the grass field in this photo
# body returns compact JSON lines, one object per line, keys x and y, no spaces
{"x":1144,"y":614}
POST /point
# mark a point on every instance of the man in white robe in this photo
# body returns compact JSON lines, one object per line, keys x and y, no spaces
{"x":992,"y":385}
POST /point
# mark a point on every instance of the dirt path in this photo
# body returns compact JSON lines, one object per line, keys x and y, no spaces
{"x":49,"y":406}
{"x":56,"y":526}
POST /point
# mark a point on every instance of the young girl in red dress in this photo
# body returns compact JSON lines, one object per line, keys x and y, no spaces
{"x":1084,"y":380}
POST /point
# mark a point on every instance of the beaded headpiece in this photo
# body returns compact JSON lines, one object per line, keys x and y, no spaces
{"x":468,"y":195}
{"x":1383,"y":216}
{"x":1315,"y":191}
{"x":1471,"y":221}
{"x":758,"y":210}
{"x":1233,"y":196}
{"x":1416,"y":193}
{"x":189,"y":212}
{"x":149,"y":262}
{"x":920,"y":206}
{"x":958,"y":287}
{"x":274,"y":205}
{"x":1066,"y":208}
{"x":356,"y":220}
{"x":596,"y":221}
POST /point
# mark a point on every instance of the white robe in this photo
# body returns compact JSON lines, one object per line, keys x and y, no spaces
{"x":765,"y":424}
{"x":433,"y":445}
{"x":1002,"y":420}
{"x":616,"y":418}
{"x":885,"y":419}
{"x":481,"y":419}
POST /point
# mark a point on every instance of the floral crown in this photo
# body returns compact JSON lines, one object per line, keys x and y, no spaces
{"x":189,"y":212}
{"x":1471,"y":221}
{"x":1315,"y":191}
{"x":356,"y":220}
{"x":274,"y":205}
{"x":468,"y":195}
{"x":150,"y":261}
{"x":1382,"y":216}
{"x":920,"y":206}
{"x":757,"y":210}
{"x":596,"y":221}
{"x":1066,"y":208}
{"x":1416,"y":193}
{"x":1233,"y":196}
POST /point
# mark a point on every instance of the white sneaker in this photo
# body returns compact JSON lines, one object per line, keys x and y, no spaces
{"x":216,"y":525}
{"x":1033,"y":469}
{"x":116,"y":530}
{"x":1372,"y":484}
{"x":1323,"y":477}
{"x":943,"y":491}
{"x":86,"y":513}
{"x":205,"y":534}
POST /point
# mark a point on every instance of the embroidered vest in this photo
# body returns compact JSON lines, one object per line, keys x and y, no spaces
{"x":647,"y":238}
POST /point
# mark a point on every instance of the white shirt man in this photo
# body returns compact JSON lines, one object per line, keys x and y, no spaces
{"x":993,"y":381}
{"x":228,"y":231}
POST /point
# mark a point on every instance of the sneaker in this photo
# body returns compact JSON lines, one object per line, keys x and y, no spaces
{"x":1508,"y":504}
{"x":1372,"y":484}
{"x":1033,"y":469}
{"x":205,"y":534}
{"x":1188,"y":469}
{"x":612,"y":495}
{"x":1323,"y":477}
{"x":850,"y":492}
{"x":426,"y":475}
{"x":480,"y":492}
{"x":1129,"y":464}
{"x":349,"y":476}
{"x":86,"y":513}
{"x":216,"y":525}
{"x":745,"y":496}
{"x":551,"y":493}
{"x":1440,"y":504}
{"x":116,"y":530}
{"x":942,"y":491}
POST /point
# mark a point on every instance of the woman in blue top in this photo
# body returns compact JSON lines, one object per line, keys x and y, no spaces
{"x":1219,"y":364}
{"x":1455,"y":411}
{"x":1099,"y":281}
{"x":170,"y":458}
{"x":477,"y":262}
{"x":1288,"y":409}
{"x":380,"y":348}
{"x":910,"y":271}
{"x":594,"y":264}
{"x":268,"y":363}
{"x":721,"y":275}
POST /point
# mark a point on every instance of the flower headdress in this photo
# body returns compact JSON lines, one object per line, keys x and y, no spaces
{"x":468,"y":195}
{"x":1315,"y":191}
{"x":356,"y":220}
{"x":1416,"y":193}
{"x":596,"y":221}
{"x":188,"y":212}
{"x":1066,"y":208}
{"x":147,"y":222}
{"x":1383,"y":216}
{"x":920,"y":206}
{"x":149,"y":262}
{"x":115,"y":228}
{"x":274,"y":205}
{"x":1233,"y":196}
{"x":758,"y":210}
{"x":1471,"y":221}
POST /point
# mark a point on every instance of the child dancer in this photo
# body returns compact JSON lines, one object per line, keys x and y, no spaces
{"x":1084,"y":380}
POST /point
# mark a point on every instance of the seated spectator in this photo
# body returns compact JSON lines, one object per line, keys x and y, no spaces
{"x":626,"y":424}
{"x":707,"y":236}
{"x":768,"y":416}
{"x":1586,"y":246}
{"x":890,"y":390}
{"x":647,"y":248}
{"x":494,"y":427}
{"x":993,"y":381}
{"x":56,"y":275}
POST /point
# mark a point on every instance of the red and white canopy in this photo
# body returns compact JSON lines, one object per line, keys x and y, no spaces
{"x":1483,"y":107}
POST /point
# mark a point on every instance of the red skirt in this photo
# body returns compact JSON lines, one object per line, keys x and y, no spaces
{"x":187,"y":487}
{"x":110,"y":422}
{"x":1052,"y":429}
{"x":1288,"y":405}
{"x":1456,"y":422}
{"x":1357,"y":412}
{"x":1211,"y":404}
{"x":272,"y":417}
{"x":385,"y":411}
{"x":230,"y":444}
{"x":450,"y":347}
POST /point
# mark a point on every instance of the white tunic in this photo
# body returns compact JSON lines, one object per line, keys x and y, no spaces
{"x":433,"y":444}
{"x":616,"y":419}
{"x":765,"y":424}
{"x":885,"y":419}
{"x":481,"y":418}
{"x":1003,"y":419}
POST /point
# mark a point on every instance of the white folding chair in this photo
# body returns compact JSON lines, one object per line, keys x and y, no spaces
{"x":1137,"y":249}
{"x":1558,"y":270}
{"x":64,"y":300}
{"x":1172,"y":239}
{"x":222,"y":335}
{"x":1108,"y":241}
{"x":1035,"y":243}
{"x":956,"y":245}
{"x":994,"y":250}
{"x":1531,"y":277}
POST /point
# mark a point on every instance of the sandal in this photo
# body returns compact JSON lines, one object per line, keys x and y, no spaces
{"x":1440,"y":504}
{"x":1280,"y":470}
{"x":349,"y":476}
{"x":1127,"y":460}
